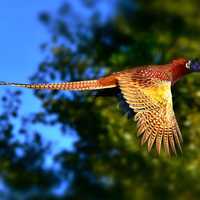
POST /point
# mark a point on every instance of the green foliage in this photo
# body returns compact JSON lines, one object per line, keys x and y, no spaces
{"x":108,"y":162}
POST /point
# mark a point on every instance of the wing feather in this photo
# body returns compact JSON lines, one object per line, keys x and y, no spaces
{"x":151,"y":100}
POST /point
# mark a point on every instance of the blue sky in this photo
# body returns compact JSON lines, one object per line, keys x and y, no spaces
{"x":20,"y":37}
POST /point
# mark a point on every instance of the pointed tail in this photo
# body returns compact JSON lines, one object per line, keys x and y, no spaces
{"x":102,"y":83}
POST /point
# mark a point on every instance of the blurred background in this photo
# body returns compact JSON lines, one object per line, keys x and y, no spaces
{"x":72,"y":145}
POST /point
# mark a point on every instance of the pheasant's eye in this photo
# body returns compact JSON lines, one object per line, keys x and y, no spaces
{"x":188,"y":64}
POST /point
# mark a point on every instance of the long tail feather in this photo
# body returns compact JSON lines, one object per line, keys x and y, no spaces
{"x":103,"y":83}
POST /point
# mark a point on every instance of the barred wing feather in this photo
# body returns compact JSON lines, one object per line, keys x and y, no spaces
{"x":151,"y":100}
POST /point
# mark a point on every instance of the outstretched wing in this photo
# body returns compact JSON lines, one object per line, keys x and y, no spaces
{"x":151,"y":100}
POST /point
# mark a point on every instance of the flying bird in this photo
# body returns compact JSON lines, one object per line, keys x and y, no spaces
{"x":147,"y":92}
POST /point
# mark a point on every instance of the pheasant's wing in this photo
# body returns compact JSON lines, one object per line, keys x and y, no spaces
{"x":151,"y":100}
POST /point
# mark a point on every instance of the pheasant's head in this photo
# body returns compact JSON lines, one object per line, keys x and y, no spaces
{"x":193,"y":65}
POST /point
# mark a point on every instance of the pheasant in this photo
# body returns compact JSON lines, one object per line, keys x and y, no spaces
{"x":147,"y":92}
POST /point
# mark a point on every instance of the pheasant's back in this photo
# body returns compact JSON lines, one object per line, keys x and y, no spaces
{"x":145,"y":73}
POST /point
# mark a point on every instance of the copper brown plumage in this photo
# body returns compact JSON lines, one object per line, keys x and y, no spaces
{"x":147,"y":91}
